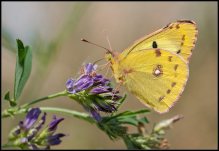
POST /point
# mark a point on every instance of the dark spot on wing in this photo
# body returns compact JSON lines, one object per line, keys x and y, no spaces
{"x":168,"y":91}
{"x":161,"y":98}
{"x":154,"y":45}
{"x":159,"y":66}
{"x":158,"y":53}
{"x":173,"y":84}
{"x":169,"y":58}
{"x":177,"y":26}
{"x":178,"y":51}
{"x":183,"y":37}
{"x":175,"y":67}
{"x":167,"y":26}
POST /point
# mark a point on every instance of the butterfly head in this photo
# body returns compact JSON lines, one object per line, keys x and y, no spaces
{"x":110,"y":55}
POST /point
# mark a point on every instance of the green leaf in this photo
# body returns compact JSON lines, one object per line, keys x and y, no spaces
{"x":23,"y":68}
{"x":131,"y":113}
{"x":7,"y":97}
{"x":27,"y":69}
{"x":110,"y":84}
{"x":120,"y":104}
{"x":21,"y":50}
{"x":144,"y":120}
{"x":129,"y":120}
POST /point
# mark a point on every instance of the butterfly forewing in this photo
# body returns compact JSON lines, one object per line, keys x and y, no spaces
{"x":156,"y":77}
{"x":178,"y":37}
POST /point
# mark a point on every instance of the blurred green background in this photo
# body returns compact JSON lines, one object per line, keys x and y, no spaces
{"x":54,"y":30}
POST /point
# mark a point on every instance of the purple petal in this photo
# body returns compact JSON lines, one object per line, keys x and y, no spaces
{"x":33,"y":147}
{"x":98,"y":77}
{"x":95,"y":114}
{"x":42,"y":121}
{"x":69,"y":84}
{"x":109,"y":96}
{"x":98,"y":90}
{"x":17,"y":132}
{"x":112,"y":108}
{"x":108,"y":88}
{"x":20,"y":123}
{"x":106,"y":108}
{"x":100,"y":108}
{"x":54,"y":140}
{"x":43,"y":118}
{"x":31,"y":117}
{"x":30,"y":136}
{"x":26,"y":139}
{"x":86,"y":109}
{"x":54,"y":123}
{"x":72,"y":91}
{"x":23,"y":140}
{"x":94,"y":67}
{"x":83,"y":83}
{"x":106,"y":80}
{"x":88,"y":68}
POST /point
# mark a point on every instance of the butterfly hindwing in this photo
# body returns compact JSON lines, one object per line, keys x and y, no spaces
{"x":156,"y":77}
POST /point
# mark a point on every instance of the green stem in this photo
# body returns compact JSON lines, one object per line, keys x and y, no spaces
{"x":7,"y":145}
{"x":10,"y":112}
{"x":44,"y":98}
{"x":79,"y":115}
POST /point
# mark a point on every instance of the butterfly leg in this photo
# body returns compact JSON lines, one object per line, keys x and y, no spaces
{"x":116,"y":89}
{"x":82,"y":70}
{"x":104,"y":66}
{"x":106,"y":74}
{"x":111,"y":76}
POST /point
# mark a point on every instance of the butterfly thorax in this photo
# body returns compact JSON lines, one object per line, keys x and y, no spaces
{"x":113,"y":57}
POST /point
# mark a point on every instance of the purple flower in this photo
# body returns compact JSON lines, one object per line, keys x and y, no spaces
{"x":90,"y":69}
{"x":42,"y":121}
{"x":79,"y":85}
{"x":26,"y":137}
{"x":89,"y":78}
{"x":49,"y":138}
{"x":99,"y":96}
{"x":33,"y":147}
{"x":98,"y":90}
{"x":69,"y":84}
{"x":30,"y":119}
{"x":93,"y":113}
{"x":54,"y":140}
{"x":53,"y":125}
{"x":98,"y":77}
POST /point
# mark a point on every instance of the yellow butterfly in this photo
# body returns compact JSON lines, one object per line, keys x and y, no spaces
{"x":155,"y":67}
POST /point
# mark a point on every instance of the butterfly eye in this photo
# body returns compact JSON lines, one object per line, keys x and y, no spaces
{"x":109,"y":57}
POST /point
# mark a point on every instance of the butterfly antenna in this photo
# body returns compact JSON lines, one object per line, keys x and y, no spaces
{"x":98,"y":61}
{"x":107,"y":40}
{"x":96,"y":45}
